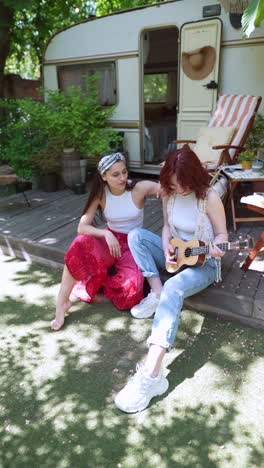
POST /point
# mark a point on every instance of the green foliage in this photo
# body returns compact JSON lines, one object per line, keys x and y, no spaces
{"x":247,"y":155}
{"x":47,"y":160}
{"x":155,"y":87}
{"x":252,"y":16}
{"x":78,"y":120}
{"x":20,"y":134}
{"x":256,"y":137}
{"x":71,"y":119}
{"x":35,"y":22}
{"x":104,"y":7}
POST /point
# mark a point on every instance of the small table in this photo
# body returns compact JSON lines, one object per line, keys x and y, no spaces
{"x":258,"y":245}
{"x":235,"y":177}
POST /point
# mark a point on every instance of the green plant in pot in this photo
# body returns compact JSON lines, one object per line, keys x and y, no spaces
{"x":72,"y":117}
{"x":79,"y":120}
{"x":246,"y":158}
{"x":82,"y":124}
{"x":46,"y":166}
{"x":255,"y":139}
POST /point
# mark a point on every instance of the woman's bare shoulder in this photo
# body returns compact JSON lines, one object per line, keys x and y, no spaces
{"x":214,"y":202}
{"x":146,"y":187}
{"x":213,"y":196}
{"x":96,"y":203}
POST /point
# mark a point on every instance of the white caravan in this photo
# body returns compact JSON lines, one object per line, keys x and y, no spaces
{"x":142,"y":58}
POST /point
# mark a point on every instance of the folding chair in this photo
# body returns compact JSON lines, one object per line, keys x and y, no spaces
{"x":235,"y":114}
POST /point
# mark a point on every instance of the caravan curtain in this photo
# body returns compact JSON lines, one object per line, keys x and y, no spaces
{"x":76,"y":75}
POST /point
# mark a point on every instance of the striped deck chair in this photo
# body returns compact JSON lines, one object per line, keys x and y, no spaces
{"x":236,"y":112}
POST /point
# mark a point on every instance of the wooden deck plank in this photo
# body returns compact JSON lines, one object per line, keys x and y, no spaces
{"x":15,"y":205}
{"x":45,"y":231}
{"x":35,"y":224}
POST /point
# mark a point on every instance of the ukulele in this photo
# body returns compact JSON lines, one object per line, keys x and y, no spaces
{"x":193,"y":252}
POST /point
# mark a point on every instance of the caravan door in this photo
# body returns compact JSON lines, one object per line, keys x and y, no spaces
{"x":198,"y":93}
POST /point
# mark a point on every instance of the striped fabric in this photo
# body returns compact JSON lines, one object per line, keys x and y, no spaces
{"x":235,"y":111}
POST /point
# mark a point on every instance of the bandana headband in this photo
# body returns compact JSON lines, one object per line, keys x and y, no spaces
{"x":108,"y":160}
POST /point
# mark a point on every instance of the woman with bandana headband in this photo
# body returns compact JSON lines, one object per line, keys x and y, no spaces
{"x":101,"y":257}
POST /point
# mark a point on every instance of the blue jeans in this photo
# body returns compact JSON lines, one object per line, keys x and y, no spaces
{"x":146,"y":248}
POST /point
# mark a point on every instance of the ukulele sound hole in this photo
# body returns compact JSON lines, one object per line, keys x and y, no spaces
{"x":188,"y":252}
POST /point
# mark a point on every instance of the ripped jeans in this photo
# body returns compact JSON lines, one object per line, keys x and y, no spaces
{"x":146,"y":248}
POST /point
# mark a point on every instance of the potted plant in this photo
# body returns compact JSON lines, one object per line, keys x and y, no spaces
{"x":82,"y":125}
{"x":46,"y":166}
{"x":72,"y":117}
{"x":246,"y":158}
{"x":255,"y":138}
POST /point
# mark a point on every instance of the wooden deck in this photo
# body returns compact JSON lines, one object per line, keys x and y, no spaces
{"x":43,"y":232}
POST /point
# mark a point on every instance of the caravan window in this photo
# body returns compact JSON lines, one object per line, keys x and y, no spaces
{"x":70,"y":75}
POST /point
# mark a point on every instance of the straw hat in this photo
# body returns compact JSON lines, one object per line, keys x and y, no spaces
{"x":198,"y":63}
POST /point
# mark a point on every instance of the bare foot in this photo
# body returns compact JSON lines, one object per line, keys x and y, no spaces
{"x":61,"y":309}
{"x":100,"y":299}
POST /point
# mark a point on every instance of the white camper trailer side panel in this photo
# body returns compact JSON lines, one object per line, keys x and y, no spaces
{"x":118,"y":34}
{"x":50,"y":77}
{"x":127,"y":110}
{"x":242,"y":70}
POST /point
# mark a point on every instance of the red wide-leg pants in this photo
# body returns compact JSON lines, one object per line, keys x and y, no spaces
{"x":88,"y":260}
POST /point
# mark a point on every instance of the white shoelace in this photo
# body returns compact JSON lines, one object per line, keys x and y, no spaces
{"x":150,"y":299}
{"x":140,"y":379}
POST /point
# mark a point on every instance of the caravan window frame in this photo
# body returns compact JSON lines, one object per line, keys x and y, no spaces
{"x":111,"y":98}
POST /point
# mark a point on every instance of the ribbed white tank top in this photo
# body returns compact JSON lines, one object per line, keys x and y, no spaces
{"x":121,"y":213}
{"x":185,"y":214}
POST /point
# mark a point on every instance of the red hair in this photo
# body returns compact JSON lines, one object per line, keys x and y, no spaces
{"x":190,"y":173}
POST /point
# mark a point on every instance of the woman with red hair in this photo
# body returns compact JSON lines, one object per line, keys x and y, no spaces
{"x":191,"y":210}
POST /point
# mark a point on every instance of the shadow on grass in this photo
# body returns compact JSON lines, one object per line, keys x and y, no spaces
{"x":56,"y":395}
{"x":229,"y":347}
{"x":40,"y":276}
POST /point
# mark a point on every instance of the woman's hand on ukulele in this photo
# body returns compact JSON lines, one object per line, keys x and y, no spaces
{"x":214,"y":251}
{"x":169,"y":252}
{"x":113,"y":244}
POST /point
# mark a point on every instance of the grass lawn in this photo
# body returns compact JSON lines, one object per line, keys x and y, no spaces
{"x":57,"y":388}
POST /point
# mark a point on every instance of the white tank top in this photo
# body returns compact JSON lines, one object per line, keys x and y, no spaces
{"x":184,"y":215}
{"x":197,"y":218}
{"x":121,"y":213}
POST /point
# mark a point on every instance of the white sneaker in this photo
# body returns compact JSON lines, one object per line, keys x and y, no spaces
{"x":138,"y":392}
{"x":147,"y":307}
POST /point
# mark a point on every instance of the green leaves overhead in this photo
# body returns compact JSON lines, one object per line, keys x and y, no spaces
{"x":252,"y":16}
{"x":35,"y":21}
{"x":104,"y":7}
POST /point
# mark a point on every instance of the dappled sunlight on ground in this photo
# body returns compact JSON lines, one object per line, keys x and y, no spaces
{"x":57,"y":388}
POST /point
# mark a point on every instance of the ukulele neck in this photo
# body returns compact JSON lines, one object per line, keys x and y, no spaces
{"x":205,"y":249}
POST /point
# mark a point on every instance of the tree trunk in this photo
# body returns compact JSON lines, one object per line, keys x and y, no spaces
{"x":7,"y":17}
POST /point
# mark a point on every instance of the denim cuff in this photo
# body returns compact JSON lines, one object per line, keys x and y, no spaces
{"x":150,"y":274}
{"x":152,"y":340}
